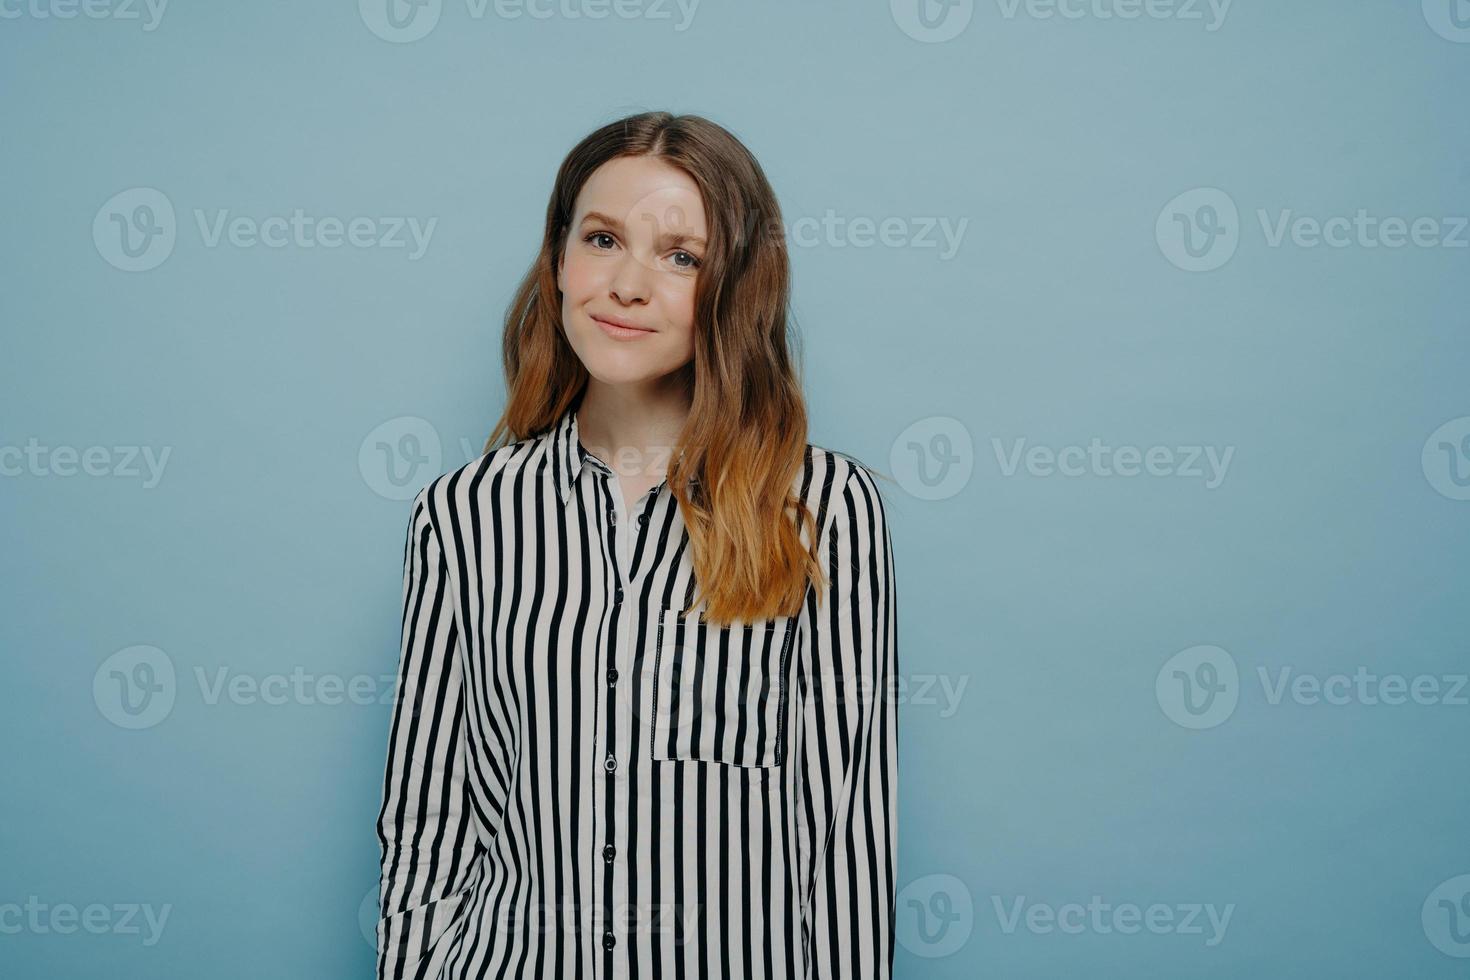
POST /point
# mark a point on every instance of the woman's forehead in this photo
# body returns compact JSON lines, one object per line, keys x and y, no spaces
{"x":643,"y":191}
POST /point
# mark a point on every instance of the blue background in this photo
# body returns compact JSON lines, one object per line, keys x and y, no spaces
{"x":271,"y":543}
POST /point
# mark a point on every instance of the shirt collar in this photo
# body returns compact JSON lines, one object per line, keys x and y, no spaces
{"x":568,"y":455}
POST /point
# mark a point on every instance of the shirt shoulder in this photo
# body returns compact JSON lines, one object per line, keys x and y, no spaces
{"x":447,"y":495}
{"x":834,"y":469}
{"x":830,"y":479}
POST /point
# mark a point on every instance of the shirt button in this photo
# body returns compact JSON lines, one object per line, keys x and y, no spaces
{"x":612,"y":675}
{"x":608,"y":852}
{"x":618,"y":595}
{"x":642,"y":519}
{"x":608,"y":941}
{"x":610,"y":764}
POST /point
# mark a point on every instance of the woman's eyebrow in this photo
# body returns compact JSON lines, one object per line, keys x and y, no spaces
{"x":667,"y":238}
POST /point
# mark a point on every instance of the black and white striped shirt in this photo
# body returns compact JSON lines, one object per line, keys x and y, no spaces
{"x":584,"y":782}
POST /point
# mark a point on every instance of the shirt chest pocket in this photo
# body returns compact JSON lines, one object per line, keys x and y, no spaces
{"x":719,"y":693}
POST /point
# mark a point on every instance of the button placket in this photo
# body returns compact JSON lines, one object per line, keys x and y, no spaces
{"x":617,"y":523}
{"x":622,"y":531}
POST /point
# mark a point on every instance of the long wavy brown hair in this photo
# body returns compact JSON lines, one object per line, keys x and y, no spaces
{"x":745,"y":437}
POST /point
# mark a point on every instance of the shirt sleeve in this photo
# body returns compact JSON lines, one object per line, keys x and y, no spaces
{"x":429,"y":849}
{"x":850,"y":747}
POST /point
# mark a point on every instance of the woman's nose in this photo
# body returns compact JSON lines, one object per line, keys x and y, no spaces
{"x":630,"y":282}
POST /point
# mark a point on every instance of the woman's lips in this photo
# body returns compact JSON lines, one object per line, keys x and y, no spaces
{"x":619,"y":332}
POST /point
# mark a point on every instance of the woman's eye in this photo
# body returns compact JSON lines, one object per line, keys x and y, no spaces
{"x":595,"y":240}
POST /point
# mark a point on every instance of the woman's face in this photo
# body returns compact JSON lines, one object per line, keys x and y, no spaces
{"x":632,"y":257}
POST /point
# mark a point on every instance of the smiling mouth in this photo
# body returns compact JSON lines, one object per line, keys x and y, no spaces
{"x":619,"y":331}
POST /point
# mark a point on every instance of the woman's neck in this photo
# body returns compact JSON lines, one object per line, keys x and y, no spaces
{"x":632,"y":428}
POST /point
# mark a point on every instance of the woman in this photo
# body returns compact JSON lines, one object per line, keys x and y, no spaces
{"x":643,"y":727}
